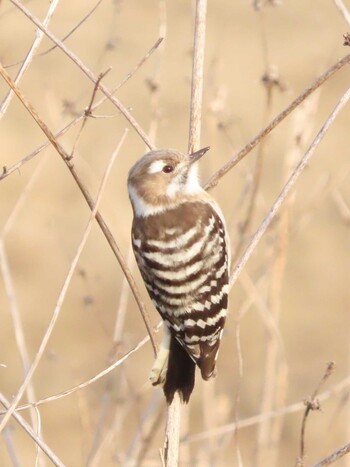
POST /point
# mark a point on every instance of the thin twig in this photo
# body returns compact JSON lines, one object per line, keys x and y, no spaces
{"x":45,"y":448}
{"x":87,"y":383}
{"x":276,"y":370}
{"x":109,"y":237}
{"x":138,"y":441}
{"x":287,"y":187}
{"x":64,"y":38}
{"x":11,"y":290}
{"x":11,"y":450}
{"x":39,"y":36}
{"x":256,"y":419}
{"x":63,"y":292}
{"x":88,"y":110}
{"x":270,"y":83}
{"x":140,"y":63}
{"x":343,"y":10}
{"x":87,"y":72}
{"x":312,"y":404}
{"x":214,"y":179}
{"x":9,"y":170}
{"x":154,"y":82}
{"x":334,"y":456}
{"x":17,"y":326}
{"x":148,"y":437}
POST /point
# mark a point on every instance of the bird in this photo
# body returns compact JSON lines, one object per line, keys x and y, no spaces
{"x":182,"y":249}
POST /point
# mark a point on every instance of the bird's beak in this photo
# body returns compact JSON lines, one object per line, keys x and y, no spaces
{"x":195,"y":156}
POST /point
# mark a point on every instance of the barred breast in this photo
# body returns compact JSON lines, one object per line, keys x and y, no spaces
{"x":183,"y":258}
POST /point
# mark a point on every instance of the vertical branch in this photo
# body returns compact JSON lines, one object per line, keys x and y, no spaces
{"x":114,"y":383}
{"x":172,"y":437}
{"x":197,"y":76}
{"x":173,"y":419}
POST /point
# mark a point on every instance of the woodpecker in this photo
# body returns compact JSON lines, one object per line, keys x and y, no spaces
{"x":182,"y":250}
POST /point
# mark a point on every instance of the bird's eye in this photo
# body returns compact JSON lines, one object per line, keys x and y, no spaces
{"x":168,"y":168}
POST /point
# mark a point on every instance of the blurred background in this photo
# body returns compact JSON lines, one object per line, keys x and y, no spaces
{"x":289,"y":309}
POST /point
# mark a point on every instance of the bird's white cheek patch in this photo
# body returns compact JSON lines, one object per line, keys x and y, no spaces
{"x":173,"y":187}
{"x":192,"y":185}
{"x":142,"y":208}
{"x":156,"y":166}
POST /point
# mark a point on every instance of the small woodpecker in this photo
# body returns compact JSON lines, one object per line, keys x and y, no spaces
{"x":182,"y":250}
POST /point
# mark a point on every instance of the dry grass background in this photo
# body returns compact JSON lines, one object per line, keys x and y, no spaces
{"x":289,"y":309}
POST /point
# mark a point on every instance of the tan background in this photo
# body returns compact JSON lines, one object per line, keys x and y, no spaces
{"x":105,"y":423}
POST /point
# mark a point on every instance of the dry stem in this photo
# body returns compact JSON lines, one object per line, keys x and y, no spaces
{"x":39,"y":442}
{"x":213,"y":181}
{"x":334,"y":456}
{"x":256,"y":419}
{"x":312,"y":404}
{"x":62,"y":294}
{"x":67,"y":159}
{"x":173,"y":420}
{"x":343,"y":10}
{"x":87,"y":383}
{"x":9,"y":170}
{"x":39,"y":36}
{"x":287,"y":187}
{"x":87,"y":72}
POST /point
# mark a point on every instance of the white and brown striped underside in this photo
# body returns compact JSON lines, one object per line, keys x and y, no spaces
{"x":183,"y":258}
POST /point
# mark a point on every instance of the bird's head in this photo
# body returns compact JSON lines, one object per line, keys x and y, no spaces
{"x":162,"y":179}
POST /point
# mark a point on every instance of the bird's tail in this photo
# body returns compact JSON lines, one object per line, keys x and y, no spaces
{"x":180,"y":373}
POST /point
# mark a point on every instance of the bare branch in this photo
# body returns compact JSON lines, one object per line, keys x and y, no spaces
{"x":87,"y":72}
{"x":214,"y":179}
{"x":9,"y":170}
{"x":62,"y":294}
{"x":88,"y":110}
{"x":172,"y":435}
{"x":197,"y":76}
{"x":334,"y":456}
{"x":256,"y":419}
{"x":67,"y":159}
{"x":87,"y":383}
{"x":287,"y":187}
{"x":64,"y":38}
{"x":39,"y":36}
{"x":343,"y":10}
{"x":45,"y":448}
{"x":312,"y":404}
